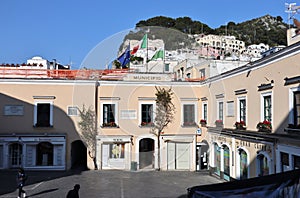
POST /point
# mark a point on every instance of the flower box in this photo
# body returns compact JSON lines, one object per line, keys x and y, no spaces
{"x":265,"y":126}
{"x":189,"y":124}
{"x":109,"y":124}
{"x":203,"y":123}
{"x":147,"y":124}
{"x":219,"y":123}
{"x":240,"y":125}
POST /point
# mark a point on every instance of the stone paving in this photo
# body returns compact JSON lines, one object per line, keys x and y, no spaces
{"x":106,"y":184}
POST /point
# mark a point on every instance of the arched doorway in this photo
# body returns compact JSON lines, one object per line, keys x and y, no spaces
{"x":217,"y":159}
{"x":78,"y":155}
{"x":226,"y":160}
{"x":243,"y":164}
{"x":44,"y":154}
{"x":202,"y":155}
{"x":263,"y":165}
{"x":15,"y":155}
{"x":146,"y":151}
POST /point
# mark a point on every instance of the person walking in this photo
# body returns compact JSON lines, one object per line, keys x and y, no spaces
{"x":74,"y":193}
{"x":21,"y":178}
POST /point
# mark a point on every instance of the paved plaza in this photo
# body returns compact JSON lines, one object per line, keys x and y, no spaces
{"x":111,"y":183}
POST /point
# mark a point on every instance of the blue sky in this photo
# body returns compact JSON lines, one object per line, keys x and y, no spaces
{"x":68,"y":30}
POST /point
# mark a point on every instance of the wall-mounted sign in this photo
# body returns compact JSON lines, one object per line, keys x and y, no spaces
{"x":13,"y":110}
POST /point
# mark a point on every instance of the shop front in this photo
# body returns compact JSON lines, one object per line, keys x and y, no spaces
{"x":46,"y":152}
{"x":179,"y":152}
{"x":113,"y":152}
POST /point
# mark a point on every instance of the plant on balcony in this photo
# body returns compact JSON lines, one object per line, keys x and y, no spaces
{"x":109,"y":124}
{"x":265,"y":126}
{"x":219,"y":123}
{"x":203,"y":122}
{"x":240,"y":125}
{"x":146,"y":123}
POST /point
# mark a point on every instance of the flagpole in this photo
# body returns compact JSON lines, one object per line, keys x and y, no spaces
{"x":147,"y":54}
{"x":164,"y":55}
{"x":129,"y":56}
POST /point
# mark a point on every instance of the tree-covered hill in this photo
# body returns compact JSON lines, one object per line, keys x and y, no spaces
{"x":266,"y":29}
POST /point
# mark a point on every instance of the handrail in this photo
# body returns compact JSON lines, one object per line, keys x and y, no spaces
{"x":10,"y":72}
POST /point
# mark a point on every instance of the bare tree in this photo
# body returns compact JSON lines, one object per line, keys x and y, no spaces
{"x":164,"y":114}
{"x":88,"y":127}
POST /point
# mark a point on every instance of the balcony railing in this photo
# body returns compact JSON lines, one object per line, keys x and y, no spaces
{"x":17,"y":72}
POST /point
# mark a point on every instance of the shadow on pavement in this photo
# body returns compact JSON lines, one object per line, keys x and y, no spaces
{"x":43,"y":192}
{"x":8,"y":178}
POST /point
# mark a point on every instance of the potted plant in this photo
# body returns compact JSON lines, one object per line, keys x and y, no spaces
{"x":109,"y":124}
{"x":219,"y":123}
{"x":265,"y":126}
{"x":240,"y":125}
{"x":203,"y":122}
{"x":146,"y":124}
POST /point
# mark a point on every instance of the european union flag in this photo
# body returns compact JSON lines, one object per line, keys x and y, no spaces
{"x":124,"y":58}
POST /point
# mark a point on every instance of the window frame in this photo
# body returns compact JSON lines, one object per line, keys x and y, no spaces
{"x":239,"y":109}
{"x":141,"y":109}
{"x":292,"y":118}
{"x":116,"y":121}
{"x":35,"y":119}
{"x":263,"y":108}
{"x":220,"y":114}
{"x":205,"y":111}
{"x":183,"y":117}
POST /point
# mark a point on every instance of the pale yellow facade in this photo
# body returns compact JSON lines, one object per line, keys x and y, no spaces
{"x":39,"y":121}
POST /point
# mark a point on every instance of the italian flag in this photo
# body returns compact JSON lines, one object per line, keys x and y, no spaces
{"x":143,"y":44}
{"x":158,"y":54}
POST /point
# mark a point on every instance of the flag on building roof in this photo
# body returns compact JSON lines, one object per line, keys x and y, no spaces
{"x":142,"y":44}
{"x":124,"y":58}
{"x":158,"y":54}
{"x":134,"y":50}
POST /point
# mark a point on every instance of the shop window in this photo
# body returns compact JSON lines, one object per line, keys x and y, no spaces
{"x":296,"y":161}
{"x":243,"y":164}
{"x":147,"y":115}
{"x":44,"y":155}
{"x":189,"y":115}
{"x":15,"y":154}
{"x":263,"y":166}
{"x":217,"y":159}
{"x":116,"y":151}
{"x":284,"y":158}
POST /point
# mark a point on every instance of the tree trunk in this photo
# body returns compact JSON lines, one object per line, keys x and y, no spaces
{"x":158,"y":151}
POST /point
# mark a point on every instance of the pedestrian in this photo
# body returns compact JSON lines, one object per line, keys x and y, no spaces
{"x":74,"y":193}
{"x":21,"y":178}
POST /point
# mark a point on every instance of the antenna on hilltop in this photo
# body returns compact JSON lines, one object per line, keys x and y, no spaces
{"x":291,"y":9}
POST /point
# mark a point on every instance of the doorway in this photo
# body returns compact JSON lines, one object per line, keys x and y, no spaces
{"x":78,"y":155}
{"x":15,"y":155}
{"x":146,"y":151}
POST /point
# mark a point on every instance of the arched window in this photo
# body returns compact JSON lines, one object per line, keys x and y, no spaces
{"x":263,"y":165}
{"x":243,"y":164}
{"x":217,"y":158}
{"x":44,"y":155}
{"x":226,"y":158}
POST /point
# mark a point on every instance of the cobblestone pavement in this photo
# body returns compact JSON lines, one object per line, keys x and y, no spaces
{"x":106,"y":184}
